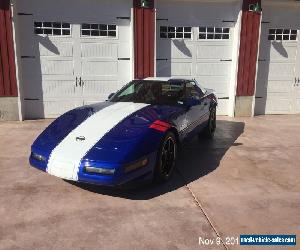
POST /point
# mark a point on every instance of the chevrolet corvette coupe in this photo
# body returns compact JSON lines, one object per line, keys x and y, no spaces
{"x":134,"y":135}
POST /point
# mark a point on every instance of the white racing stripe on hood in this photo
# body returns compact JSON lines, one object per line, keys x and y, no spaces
{"x":65,"y":158}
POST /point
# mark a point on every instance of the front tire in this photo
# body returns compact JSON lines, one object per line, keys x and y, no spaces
{"x":209,"y":131}
{"x":166,"y":158}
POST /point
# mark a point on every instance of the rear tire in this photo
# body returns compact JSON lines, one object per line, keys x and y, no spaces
{"x":209,"y":131}
{"x":166,"y":158}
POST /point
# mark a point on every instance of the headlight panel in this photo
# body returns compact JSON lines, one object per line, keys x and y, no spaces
{"x":136,"y":165}
{"x":38,"y":157}
{"x":96,"y":170}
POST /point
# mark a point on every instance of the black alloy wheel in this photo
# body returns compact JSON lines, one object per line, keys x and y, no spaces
{"x":209,"y":131}
{"x":166,"y":159}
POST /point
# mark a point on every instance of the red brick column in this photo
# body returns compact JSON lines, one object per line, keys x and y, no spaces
{"x":249,"y":41}
{"x":8,"y":83}
{"x":144,"y":35}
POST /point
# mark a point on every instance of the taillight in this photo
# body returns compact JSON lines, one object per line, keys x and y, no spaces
{"x":160,"y":126}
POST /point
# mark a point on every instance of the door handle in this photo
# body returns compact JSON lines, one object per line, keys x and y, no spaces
{"x":76,"y":81}
{"x":297,"y":82}
{"x":80,"y":81}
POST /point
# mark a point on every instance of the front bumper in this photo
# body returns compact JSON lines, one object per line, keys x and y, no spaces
{"x":120,"y":177}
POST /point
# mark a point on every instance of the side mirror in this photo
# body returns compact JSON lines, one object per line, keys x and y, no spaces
{"x":110,"y":96}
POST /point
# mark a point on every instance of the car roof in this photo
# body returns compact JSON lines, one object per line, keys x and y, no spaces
{"x":167,"y":79}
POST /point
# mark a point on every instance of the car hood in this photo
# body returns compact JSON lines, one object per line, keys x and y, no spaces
{"x":124,"y":140}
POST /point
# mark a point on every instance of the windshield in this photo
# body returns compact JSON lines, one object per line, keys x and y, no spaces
{"x":151,"y":92}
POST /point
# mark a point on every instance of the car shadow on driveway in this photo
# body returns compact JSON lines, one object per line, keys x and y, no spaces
{"x":196,"y":159}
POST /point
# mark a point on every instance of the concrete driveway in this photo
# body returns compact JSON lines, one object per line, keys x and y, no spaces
{"x":246,"y":181}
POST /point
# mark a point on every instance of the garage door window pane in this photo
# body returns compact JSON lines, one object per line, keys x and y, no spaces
{"x":86,"y":26}
{"x":271,"y":37}
{"x":294,"y":32}
{"x":210,"y":30}
{"x":214,"y":33}
{"x":38,"y":31}
{"x":171,"y":35}
{"x":95,"y":33}
{"x":66,"y":25}
{"x":103,"y":33}
{"x":86,"y":32}
{"x":202,"y":36}
{"x":282,"y":34}
{"x":57,"y":32}
{"x":163,"y":29}
{"x":163,"y":35}
{"x":56,"y":25}
{"x":175,"y":32}
{"x":179,"y":35}
{"x":188,"y":35}
{"x":112,"y":33}
{"x":188,"y":29}
{"x":99,"y":30}
{"x":48,"y":31}
{"x":52,"y":28}
{"x":94,"y":26}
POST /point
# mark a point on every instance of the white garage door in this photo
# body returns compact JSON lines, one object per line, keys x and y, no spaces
{"x":195,"y":40}
{"x":74,"y":58}
{"x":278,"y":80}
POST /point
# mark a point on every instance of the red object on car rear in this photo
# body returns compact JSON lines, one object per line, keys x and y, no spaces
{"x":160,"y":126}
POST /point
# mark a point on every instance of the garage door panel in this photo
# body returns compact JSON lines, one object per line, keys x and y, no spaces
{"x":59,"y":88}
{"x":214,"y":52}
{"x":209,"y":11}
{"x":57,"y":67}
{"x":99,"y":68}
{"x":124,"y":51}
{"x":281,"y":70}
{"x":94,"y":88}
{"x":278,"y":104}
{"x":222,"y":108}
{"x":181,"y":50}
{"x":218,"y":84}
{"x":181,"y":69}
{"x":53,"y":108}
{"x":283,"y":52}
{"x":98,"y":91}
{"x":61,"y":49}
{"x":32,"y":89}
{"x":99,"y":50}
{"x":163,"y":68}
{"x":279,"y":47}
{"x":212,"y":69}
{"x":27,"y":46}
{"x":279,"y":86}
{"x":297,"y":104}
{"x":31,"y":68}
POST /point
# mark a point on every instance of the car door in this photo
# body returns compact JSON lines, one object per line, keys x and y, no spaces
{"x":197,"y":108}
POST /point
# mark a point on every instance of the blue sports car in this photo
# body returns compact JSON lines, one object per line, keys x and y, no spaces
{"x":132,"y":136}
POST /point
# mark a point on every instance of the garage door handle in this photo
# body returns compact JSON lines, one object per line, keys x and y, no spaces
{"x":124,"y":59}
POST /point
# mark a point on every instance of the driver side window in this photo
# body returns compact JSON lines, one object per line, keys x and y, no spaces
{"x":193,"y":91}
